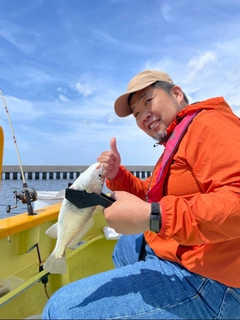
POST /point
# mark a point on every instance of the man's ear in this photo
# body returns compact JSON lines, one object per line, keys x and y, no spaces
{"x":178,"y":94}
{"x":177,"y":91}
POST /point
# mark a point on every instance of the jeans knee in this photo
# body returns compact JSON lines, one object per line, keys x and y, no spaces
{"x":127,"y":250}
{"x":117,"y":253}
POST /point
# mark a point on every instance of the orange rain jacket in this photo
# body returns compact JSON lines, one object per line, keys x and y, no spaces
{"x":201,"y":195}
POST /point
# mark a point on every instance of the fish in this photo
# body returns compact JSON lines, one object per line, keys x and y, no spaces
{"x":73,"y":223}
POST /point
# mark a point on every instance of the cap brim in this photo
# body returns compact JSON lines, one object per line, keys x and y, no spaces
{"x":121,"y":105}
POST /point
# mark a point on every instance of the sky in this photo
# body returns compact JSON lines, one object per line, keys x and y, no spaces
{"x":63,"y":63}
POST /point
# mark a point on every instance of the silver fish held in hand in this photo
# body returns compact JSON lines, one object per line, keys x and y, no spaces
{"x":73,"y":223}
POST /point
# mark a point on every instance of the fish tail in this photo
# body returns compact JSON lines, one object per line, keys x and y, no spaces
{"x":54,"y":265}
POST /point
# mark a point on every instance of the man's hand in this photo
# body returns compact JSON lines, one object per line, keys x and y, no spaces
{"x":128,"y":214}
{"x":110,"y":160}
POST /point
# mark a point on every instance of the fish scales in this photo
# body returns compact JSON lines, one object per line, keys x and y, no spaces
{"x":69,"y":222}
{"x":73,"y":223}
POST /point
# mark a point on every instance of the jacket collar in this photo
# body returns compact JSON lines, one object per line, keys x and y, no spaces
{"x":210,"y":104}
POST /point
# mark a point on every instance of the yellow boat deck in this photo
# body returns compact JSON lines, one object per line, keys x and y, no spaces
{"x":24,"y":244}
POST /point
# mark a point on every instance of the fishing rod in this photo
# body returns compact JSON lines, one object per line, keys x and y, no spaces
{"x":26,"y":196}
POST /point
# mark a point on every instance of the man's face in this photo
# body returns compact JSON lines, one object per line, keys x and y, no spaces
{"x":154,"y":110}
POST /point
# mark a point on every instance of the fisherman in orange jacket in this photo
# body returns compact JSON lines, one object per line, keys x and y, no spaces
{"x":178,"y":256}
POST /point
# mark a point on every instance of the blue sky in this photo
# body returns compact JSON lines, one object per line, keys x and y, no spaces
{"x":64,"y":62}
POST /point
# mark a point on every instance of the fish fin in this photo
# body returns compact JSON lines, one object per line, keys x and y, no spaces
{"x":73,"y":244}
{"x":74,"y":247}
{"x":54,"y":265}
{"x":52,"y":232}
{"x":60,"y":194}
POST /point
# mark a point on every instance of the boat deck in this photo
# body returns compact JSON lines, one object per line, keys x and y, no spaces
{"x":24,"y":246}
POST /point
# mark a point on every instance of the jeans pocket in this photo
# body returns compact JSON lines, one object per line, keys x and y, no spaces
{"x":230,"y":307}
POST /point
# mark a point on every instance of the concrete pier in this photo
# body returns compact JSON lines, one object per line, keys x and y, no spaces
{"x":32,"y":172}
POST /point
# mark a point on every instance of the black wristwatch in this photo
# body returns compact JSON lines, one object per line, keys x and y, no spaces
{"x":155,"y":217}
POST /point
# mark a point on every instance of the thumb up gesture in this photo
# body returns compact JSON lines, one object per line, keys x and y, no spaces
{"x":110,"y":160}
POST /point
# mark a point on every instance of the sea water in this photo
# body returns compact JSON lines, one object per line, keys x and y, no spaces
{"x":7,"y":196}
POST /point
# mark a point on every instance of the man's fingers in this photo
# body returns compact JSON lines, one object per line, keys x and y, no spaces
{"x":113,"y":146}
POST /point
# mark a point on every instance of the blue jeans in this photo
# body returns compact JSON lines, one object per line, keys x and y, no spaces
{"x":150,"y":289}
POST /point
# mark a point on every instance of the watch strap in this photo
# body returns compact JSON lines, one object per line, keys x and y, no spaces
{"x":155,"y":217}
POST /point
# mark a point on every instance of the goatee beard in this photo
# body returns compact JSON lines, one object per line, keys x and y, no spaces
{"x":161,"y":137}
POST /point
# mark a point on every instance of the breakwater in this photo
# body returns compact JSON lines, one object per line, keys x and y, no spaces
{"x":35,"y":172}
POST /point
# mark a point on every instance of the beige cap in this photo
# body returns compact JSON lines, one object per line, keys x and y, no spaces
{"x":139,"y":82}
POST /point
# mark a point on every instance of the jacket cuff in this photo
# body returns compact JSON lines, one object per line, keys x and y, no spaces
{"x":110,"y":183}
{"x":163,"y":218}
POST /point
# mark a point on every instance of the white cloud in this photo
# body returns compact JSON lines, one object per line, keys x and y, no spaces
{"x":63,"y":98}
{"x":63,"y":90}
{"x":104,"y":37}
{"x":21,"y":109}
{"x":11,"y":35}
{"x":198,"y":63}
{"x":162,"y":65}
{"x":83,"y":56}
{"x":166,"y":11}
{"x":201,"y":60}
{"x":230,"y":46}
{"x":85,"y":90}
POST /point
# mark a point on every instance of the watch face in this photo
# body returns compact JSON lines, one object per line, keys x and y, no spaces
{"x":155,"y":217}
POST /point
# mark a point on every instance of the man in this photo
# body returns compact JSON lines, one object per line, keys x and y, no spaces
{"x":187,"y":265}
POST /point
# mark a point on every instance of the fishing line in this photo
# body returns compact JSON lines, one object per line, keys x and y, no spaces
{"x":26,"y":196}
{"x":13,"y":136}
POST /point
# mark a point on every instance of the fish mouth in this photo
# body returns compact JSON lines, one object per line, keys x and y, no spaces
{"x":94,"y":190}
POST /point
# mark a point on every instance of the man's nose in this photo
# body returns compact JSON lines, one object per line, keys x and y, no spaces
{"x":146,"y":115}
